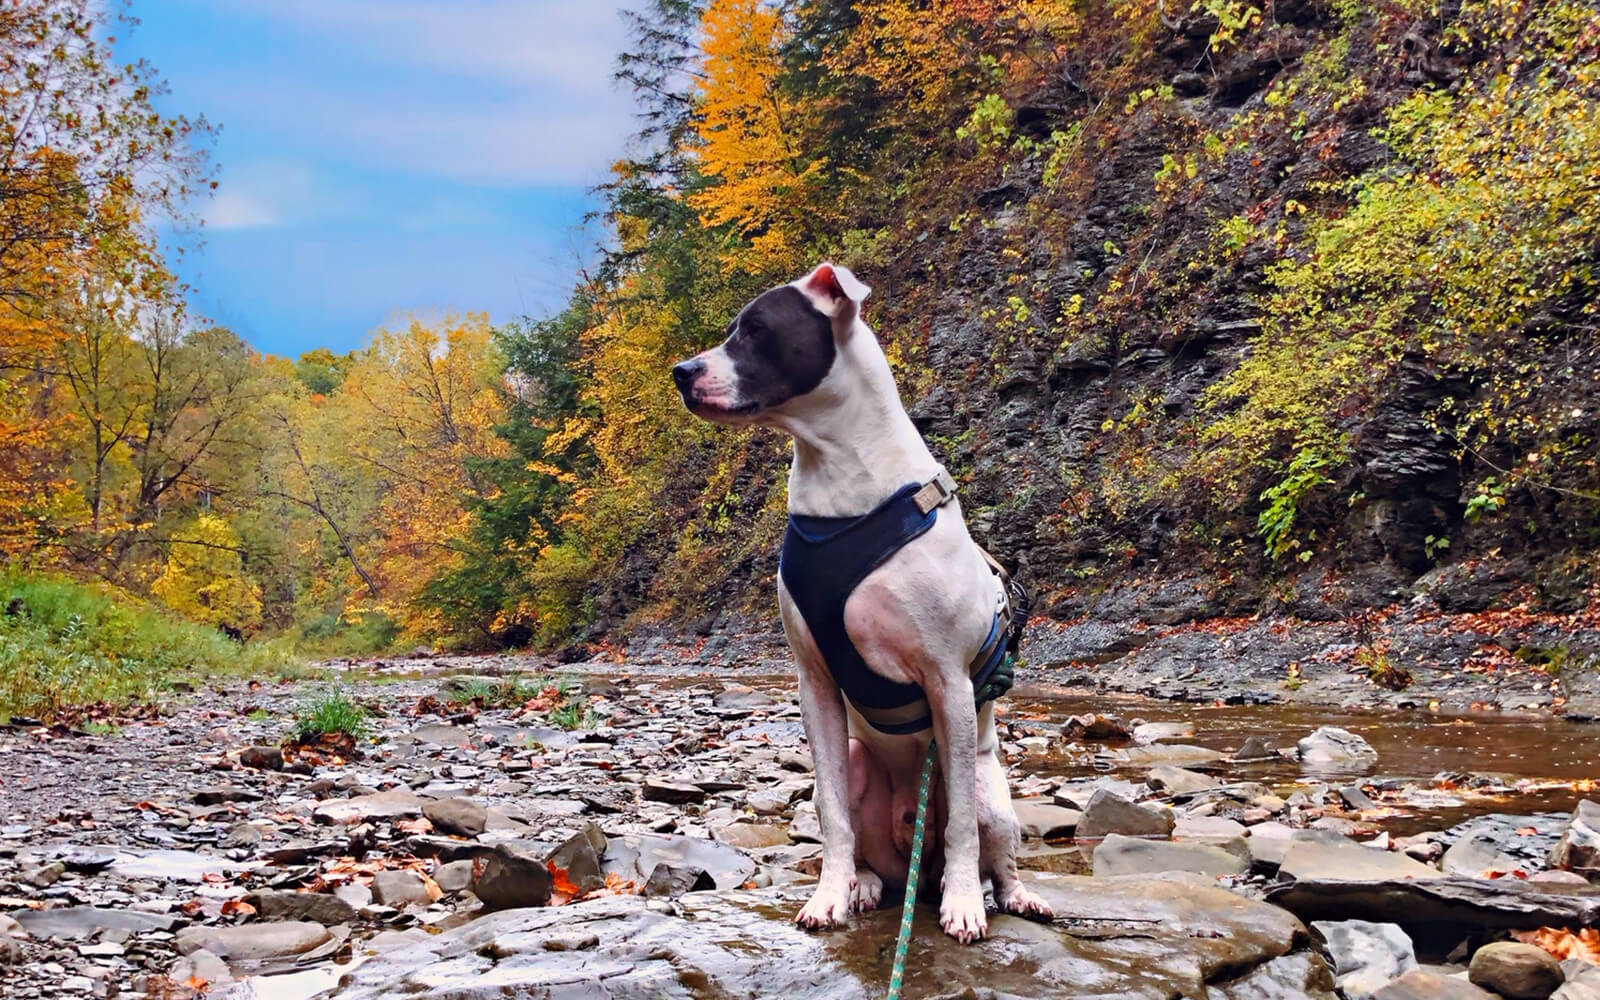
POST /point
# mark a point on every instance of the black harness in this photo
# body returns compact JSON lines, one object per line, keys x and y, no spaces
{"x":824,"y":560}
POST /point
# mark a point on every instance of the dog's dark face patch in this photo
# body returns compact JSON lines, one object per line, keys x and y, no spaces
{"x":781,"y":347}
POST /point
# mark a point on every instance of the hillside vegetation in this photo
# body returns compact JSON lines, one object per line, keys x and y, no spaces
{"x":1211,"y":310}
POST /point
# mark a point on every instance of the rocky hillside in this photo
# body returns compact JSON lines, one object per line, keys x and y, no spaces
{"x":1213,"y":311}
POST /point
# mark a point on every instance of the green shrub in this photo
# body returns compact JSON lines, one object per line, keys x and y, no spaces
{"x":65,"y":644}
{"x":332,"y":713}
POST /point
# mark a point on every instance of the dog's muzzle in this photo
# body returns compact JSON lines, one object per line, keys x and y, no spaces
{"x":684,"y":374}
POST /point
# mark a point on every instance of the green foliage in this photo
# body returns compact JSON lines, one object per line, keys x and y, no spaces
{"x":330,"y":713}
{"x":1283,"y":499}
{"x":64,"y":644}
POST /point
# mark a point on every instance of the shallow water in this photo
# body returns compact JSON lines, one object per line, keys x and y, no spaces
{"x":1547,"y":763}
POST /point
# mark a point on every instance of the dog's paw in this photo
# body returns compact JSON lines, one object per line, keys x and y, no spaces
{"x":829,"y":907}
{"x":1024,"y":902}
{"x":961,"y":915}
{"x":867,"y":892}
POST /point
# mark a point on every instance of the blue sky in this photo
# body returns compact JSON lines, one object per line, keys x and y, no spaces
{"x":385,"y":157}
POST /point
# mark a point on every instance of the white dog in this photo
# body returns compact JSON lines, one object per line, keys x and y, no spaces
{"x":891,"y":609}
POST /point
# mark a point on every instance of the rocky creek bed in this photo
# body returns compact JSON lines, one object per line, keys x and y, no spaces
{"x":1200,"y":850}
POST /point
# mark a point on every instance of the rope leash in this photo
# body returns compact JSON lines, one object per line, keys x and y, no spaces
{"x":908,"y":909}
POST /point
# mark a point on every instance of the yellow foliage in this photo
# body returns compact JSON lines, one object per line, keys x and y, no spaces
{"x":204,"y":578}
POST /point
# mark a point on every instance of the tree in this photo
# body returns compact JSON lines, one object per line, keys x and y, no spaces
{"x":749,"y":138}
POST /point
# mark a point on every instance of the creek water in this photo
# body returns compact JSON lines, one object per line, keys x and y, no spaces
{"x":1543,"y":763}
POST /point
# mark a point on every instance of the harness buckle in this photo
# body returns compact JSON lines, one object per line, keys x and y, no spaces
{"x":936,"y":492}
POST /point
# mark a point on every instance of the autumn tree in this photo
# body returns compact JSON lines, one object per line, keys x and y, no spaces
{"x":749,"y":137}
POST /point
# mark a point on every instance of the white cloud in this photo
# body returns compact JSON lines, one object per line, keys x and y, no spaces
{"x":267,"y":193}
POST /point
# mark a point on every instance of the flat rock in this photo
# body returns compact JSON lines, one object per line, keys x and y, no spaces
{"x":752,"y":836}
{"x":634,"y":857}
{"x":1420,"y":985}
{"x":1477,"y":857}
{"x":1170,"y":780}
{"x":1160,"y":732}
{"x":674,"y":792}
{"x":175,"y":866}
{"x":1043,"y":820}
{"x":442,"y":734}
{"x":1130,"y":939}
{"x":1347,"y":861}
{"x":1175,"y":754}
{"x":1516,"y":971}
{"x":254,"y":942}
{"x":397,"y":803}
{"x":1484,"y":903}
{"x":1119,"y":855}
{"x":460,"y":816}
{"x":85,"y":921}
{"x":1366,"y":955}
{"x":320,"y":907}
{"x":1111,"y":813}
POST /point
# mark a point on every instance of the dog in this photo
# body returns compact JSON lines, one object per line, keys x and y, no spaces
{"x":800,"y":358}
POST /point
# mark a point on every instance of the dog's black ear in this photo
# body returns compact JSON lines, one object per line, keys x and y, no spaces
{"x":837,"y":292}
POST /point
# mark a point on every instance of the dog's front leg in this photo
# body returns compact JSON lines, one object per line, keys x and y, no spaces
{"x":827,"y":730}
{"x":955,"y":726}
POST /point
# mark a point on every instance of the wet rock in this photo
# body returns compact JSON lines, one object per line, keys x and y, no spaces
{"x":85,"y":921}
{"x":1130,"y":939}
{"x":262,"y":758}
{"x":1119,"y":855}
{"x":1290,"y":977}
{"x":672,"y":792}
{"x":219,"y":794}
{"x":453,"y":876}
{"x":1344,"y":861}
{"x":1420,"y":985}
{"x":1366,"y":955}
{"x":1109,"y":813}
{"x":1579,"y":848}
{"x":1516,"y":971}
{"x":505,"y":878}
{"x":254,"y":942}
{"x":1332,"y":745}
{"x":752,"y":836}
{"x":634,"y":856}
{"x":673,"y":881}
{"x":320,"y":907}
{"x":460,"y":816}
{"x":579,"y":857}
{"x":401,"y":888}
{"x":1171,"y":780}
{"x":1479,"y":903}
{"x":1175,"y":754}
{"x":203,"y":965}
{"x":1044,"y":820}
{"x":1255,"y":748}
{"x":1094,"y":728}
{"x":1478,"y":857}
{"x":1160,"y":732}
{"x":398,"y":803}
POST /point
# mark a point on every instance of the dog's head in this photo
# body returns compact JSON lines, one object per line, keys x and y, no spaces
{"x":781,"y":347}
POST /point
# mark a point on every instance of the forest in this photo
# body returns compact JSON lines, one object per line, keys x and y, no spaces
{"x":1295,"y":299}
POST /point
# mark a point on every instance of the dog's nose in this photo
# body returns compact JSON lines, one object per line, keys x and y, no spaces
{"x":685,"y":372}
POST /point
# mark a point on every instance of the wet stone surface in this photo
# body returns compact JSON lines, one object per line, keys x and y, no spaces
{"x":664,"y":846}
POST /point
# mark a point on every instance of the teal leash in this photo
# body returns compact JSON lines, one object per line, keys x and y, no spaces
{"x":913,"y":876}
